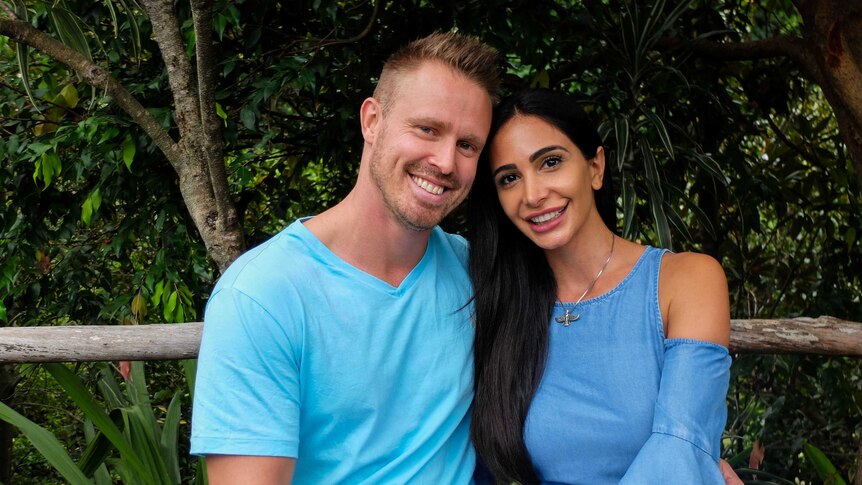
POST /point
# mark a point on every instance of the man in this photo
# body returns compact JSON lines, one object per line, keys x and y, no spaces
{"x":340,"y":350}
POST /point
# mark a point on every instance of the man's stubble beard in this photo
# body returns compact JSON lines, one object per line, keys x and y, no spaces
{"x":402,"y":202}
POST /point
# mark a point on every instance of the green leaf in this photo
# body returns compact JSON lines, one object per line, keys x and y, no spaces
{"x":540,"y":80}
{"x":91,"y":206}
{"x":189,"y":370}
{"x":711,"y":166}
{"x":221,"y":113}
{"x":170,"y":306}
{"x":170,"y":438}
{"x":47,"y":167}
{"x":133,"y":24}
{"x":825,"y":469}
{"x":22,"y":53}
{"x":656,"y":196}
{"x":128,"y":151}
{"x":47,"y":444}
{"x":70,"y":95}
{"x":219,"y":24}
{"x":157,"y":293}
{"x":629,"y":202}
{"x":113,"y":11}
{"x":248,"y":116}
{"x":3,"y":316}
{"x":621,"y":134}
{"x":99,"y":448}
{"x":68,"y":26}
{"x":657,"y":209}
{"x":662,"y":131}
{"x":101,"y":475}
{"x":85,"y":402}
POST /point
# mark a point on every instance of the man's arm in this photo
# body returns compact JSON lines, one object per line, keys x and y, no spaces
{"x":249,"y":470}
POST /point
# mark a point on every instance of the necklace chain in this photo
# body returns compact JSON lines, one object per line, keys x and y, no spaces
{"x":569,"y":317}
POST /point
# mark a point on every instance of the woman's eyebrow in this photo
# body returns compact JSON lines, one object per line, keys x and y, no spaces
{"x":499,"y":169}
{"x":541,"y":151}
{"x":538,"y":153}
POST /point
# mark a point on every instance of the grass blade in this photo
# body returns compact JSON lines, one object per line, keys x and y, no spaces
{"x":629,"y":201}
{"x":661,"y":129}
{"x":170,"y":437}
{"x":98,"y":448}
{"x":825,"y":469}
{"x":84,"y":399}
{"x":68,"y":27}
{"x":22,"y":52}
{"x":47,"y":444}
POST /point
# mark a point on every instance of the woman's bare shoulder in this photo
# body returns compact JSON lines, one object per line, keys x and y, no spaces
{"x":694,"y":289}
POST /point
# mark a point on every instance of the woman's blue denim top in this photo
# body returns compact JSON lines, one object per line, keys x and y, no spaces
{"x":620,"y":403}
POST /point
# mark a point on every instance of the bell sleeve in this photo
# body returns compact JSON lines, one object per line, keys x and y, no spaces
{"x":690,"y":415}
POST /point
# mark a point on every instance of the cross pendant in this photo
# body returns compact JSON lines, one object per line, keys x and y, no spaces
{"x":568,"y":318}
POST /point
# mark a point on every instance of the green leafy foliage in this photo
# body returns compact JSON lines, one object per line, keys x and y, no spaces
{"x":128,"y":440}
{"x":741,"y":160}
{"x":47,"y":444}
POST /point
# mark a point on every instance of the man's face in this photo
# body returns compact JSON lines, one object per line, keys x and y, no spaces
{"x":424,"y":153}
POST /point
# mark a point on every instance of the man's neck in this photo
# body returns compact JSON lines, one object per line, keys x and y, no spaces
{"x":367,"y":237}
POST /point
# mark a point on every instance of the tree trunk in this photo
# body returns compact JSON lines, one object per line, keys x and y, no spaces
{"x":833,"y":31}
{"x":197,"y":158}
{"x":829,"y":53}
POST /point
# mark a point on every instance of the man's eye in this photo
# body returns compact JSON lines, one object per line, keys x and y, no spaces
{"x":467,"y":147}
{"x":427,"y":130}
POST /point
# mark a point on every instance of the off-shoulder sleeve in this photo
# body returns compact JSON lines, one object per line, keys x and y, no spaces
{"x":690,"y":415}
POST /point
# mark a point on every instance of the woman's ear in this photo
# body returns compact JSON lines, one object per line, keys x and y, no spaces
{"x":370,"y":116}
{"x":597,"y":169}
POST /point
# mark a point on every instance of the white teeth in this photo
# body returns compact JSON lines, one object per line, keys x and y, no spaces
{"x":428,"y":186}
{"x":546,"y":217}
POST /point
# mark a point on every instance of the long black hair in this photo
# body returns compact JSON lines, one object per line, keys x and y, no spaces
{"x":515,"y":292}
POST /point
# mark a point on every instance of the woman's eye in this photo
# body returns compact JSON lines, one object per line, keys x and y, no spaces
{"x":507,"y":179}
{"x":552,"y":162}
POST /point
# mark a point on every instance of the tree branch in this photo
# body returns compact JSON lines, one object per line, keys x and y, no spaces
{"x":97,"y":77}
{"x":211,"y":141}
{"x":167,"y":33}
{"x":788,"y":46}
{"x":355,"y":38}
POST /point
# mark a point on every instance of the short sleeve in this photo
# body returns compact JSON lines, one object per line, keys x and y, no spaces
{"x":246,"y":399}
{"x":690,"y":415}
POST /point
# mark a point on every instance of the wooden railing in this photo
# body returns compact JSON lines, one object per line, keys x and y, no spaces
{"x":83,"y":343}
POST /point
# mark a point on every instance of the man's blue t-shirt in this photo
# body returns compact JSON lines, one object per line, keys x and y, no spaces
{"x":306,"y":356}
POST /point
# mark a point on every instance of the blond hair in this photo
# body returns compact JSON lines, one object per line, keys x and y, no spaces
{"x":464,"y":54}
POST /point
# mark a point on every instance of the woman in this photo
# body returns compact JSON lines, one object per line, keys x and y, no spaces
{"x":597,"y":360}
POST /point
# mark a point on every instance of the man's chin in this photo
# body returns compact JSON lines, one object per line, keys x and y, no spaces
{"x":419,"y":222}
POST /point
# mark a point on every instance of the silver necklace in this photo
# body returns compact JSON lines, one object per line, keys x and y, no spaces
{"x":569,"y":317}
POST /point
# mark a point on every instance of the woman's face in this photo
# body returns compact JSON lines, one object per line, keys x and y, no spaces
{"x":544,"y":183}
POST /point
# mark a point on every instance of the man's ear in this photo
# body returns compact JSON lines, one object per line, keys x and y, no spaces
{"x":370,"y":117}
{"x":597,"y":169}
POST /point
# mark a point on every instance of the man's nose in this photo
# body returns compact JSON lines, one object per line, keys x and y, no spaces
{"x":445,"y":158}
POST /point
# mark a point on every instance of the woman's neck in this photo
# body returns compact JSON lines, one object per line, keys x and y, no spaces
{"x":576,"y":265}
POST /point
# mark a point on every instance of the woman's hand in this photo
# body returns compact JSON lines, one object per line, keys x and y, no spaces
{"x":730,"y":476}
